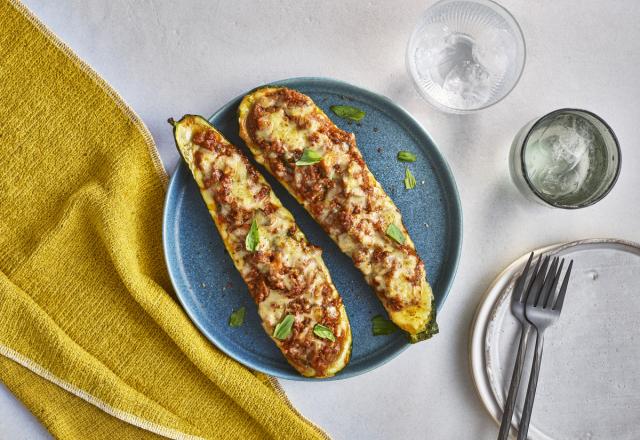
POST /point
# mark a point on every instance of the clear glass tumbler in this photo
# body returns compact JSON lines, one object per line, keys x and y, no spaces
{"x":569,"y":158}
{"x":465,"y":55}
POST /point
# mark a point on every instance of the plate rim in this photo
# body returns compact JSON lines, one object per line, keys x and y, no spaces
{"x":483,"y":315}
{"x":447,"y":181}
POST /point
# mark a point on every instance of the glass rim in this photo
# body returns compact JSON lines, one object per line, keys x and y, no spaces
{"x":456,"y":110}
{"x":589,"y":202}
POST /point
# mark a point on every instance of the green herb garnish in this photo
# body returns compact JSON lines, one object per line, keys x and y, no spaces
{"x":348,"y":112}
{"x":409,"y":180}
{"x":381,"y":326}
{"x":283,"y":329}
{"x":237,"y":317}
{"x":253,"y":237}
{"x":394,"y":232}
{"x":323,"y":332}
{"x":406,"y":156}
{"x":309,"y":157}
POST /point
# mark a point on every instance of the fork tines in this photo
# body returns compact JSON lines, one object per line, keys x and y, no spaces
{"x":544,"y":282}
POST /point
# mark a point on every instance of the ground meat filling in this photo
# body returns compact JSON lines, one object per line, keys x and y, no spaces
{"x":325,"y":190}
{"x":266,"y":272}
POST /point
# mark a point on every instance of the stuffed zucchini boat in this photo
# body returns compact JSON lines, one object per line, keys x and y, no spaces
{"x":300,"y":308}
{"x":321,"y":166}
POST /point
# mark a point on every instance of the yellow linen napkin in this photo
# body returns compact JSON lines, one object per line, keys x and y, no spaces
{"x":91,"y":338}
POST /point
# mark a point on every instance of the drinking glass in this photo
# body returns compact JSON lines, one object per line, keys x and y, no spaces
{"x":465,"y":55}
{"x":569,"y":158}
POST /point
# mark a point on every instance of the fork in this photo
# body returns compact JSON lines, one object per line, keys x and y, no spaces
{"x":518,"y":301}
{"x":542,"y":311}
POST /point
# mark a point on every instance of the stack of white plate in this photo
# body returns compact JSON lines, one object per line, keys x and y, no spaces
{"x":589,"y":385}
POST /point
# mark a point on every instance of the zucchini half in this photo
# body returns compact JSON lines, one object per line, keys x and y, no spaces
{"x":281,"y":126}
{"x":285,"y":274}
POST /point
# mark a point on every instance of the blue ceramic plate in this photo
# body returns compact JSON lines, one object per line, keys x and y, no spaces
{"x":209,"y":286}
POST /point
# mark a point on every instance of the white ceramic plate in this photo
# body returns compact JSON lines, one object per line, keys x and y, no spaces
{"x":589,"y":385}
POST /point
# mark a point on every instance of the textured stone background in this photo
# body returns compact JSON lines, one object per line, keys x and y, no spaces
{"x":170,"y":58}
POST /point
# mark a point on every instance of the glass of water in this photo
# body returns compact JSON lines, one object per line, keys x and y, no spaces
{"x":465,"y":55}
{"x":568,"y":159}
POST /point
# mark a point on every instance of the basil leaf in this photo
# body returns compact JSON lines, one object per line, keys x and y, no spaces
{"x":237,"y":317}
{"x":253,"y":237}
{"x":348,"y":112}
{"x":409,"y":180}
{"x":283,"y":329}
{"x":309,"y":157}
{"x":381,"y":326}
{"x":394,"y":232}
{"x":406,"y":156}
{"x":323,"y":332}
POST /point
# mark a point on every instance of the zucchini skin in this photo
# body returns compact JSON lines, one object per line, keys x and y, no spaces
{"x":416,"y":315}
{"x":235,"y":195}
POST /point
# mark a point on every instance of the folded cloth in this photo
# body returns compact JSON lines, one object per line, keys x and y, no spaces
{"x":92,"y":339}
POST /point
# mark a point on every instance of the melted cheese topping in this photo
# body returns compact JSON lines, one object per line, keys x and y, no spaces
{"x":341,"y":194}
{"x":285,"y":274}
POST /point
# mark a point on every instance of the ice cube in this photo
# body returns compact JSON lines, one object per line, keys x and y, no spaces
{"x":558,"y":185}
{"x":430,"y":48}
{"x":467,"y":84}
{"x":570,"y":149}
{"x":585,"y":129}
{"x":561,"y":158}
{"x":493,"y":48}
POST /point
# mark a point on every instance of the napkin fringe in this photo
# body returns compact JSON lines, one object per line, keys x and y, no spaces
{"x":115,"y":412}
{"x":280,"y":392}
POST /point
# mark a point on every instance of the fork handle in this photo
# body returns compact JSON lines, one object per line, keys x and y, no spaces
{"x":531,"y":389}
{"x":507,"y":414}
